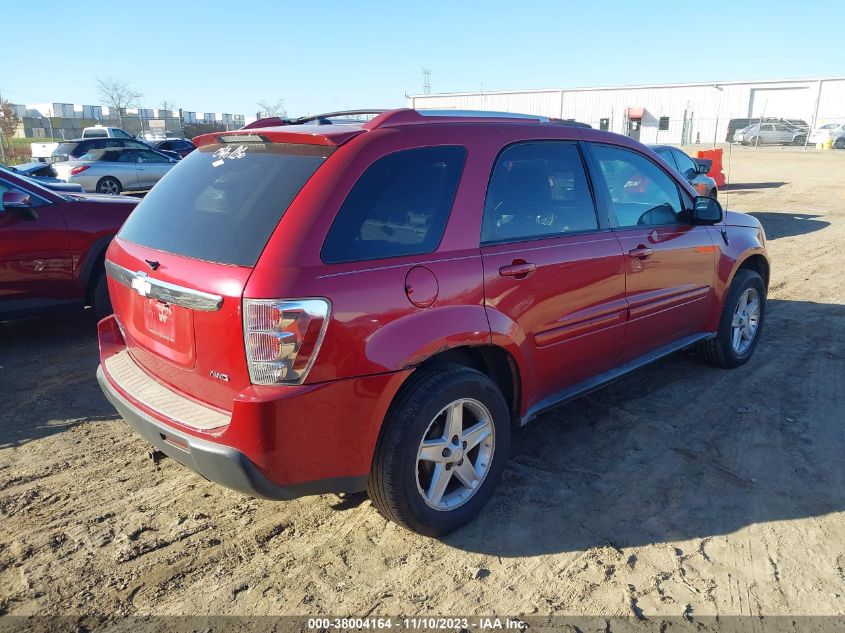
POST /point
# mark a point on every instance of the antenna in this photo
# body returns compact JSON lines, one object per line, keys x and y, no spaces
{"x":426,"y":81}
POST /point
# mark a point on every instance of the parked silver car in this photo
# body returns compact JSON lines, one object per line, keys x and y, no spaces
{"x":776,"y":133}
{"x":116,"y":170}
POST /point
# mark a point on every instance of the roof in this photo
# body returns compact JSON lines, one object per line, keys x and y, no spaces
{"x":326,"y":132}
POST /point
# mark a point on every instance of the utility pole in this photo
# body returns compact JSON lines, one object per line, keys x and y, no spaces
{"x":814,"y":120}
{"x":426,"y":81}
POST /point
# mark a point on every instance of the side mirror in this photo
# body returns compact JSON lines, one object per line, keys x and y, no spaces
{"x":702,"y":165}
{"x":20,"y":201}
{"x":16,"y":200}
{"x":706,"y":210}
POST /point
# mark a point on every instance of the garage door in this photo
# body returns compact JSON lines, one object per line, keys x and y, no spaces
{"x":784,"y":103}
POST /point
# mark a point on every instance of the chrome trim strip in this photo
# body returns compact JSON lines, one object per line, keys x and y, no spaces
{"x":147,"y":286}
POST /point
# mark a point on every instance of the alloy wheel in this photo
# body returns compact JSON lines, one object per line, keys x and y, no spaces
{"x":455,"y":454}
{"x":746,"y":321}
{"x":110,"y":187}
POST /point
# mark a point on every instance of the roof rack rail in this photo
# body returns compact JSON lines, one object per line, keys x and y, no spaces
{"x":406,"y":116}
{"x":483,"y":114}
{"x":316,"y":119}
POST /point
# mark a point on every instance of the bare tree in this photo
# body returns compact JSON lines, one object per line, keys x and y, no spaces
{"x":8,"y":126}
{"x":117,"y":95}
{"x":169,"y":106}
{"x":272,"y":109}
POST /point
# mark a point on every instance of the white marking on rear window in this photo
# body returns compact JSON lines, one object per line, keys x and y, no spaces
{"x":229,"y":152}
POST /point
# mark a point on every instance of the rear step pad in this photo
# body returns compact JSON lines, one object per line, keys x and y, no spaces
{"x":139,"y":386}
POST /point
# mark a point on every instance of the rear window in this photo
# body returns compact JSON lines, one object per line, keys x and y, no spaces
{"x":399,"y":206}
{"x":97,"y":133}
{"x":222,"y":202}
{"x":65,"y":149}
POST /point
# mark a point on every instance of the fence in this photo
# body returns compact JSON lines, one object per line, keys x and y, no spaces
{"x":703,"y":131}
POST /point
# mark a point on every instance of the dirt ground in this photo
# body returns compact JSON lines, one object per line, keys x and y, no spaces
{"x":682,"y":489}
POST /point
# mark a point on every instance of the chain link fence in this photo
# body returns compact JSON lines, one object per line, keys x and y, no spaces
{"x":692,"y":130}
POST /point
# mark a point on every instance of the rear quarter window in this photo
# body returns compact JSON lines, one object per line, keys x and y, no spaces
{"x":399,"y":206}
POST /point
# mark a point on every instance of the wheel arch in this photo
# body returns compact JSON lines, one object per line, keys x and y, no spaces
{"x":93,"y":263}
{"x":493,"y":361}
{"x":756,"y":262}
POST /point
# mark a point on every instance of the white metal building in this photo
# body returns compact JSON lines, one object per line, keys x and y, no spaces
{"x":669,"y":113}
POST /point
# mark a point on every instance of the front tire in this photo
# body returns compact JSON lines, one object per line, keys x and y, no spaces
{"x":109,"y":185}
{"x":442,"y":450}
{"x":741,"y":323}
{"x":839,"y":143}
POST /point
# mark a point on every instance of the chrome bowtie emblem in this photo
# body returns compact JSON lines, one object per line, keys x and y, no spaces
{"x":141,"y":285}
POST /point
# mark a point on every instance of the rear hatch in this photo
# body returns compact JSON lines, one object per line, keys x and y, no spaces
{"x":180,"y":264}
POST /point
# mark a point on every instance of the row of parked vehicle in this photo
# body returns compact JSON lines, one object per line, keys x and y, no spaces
{"x":772,"y":131}
{"x":110,"y":161}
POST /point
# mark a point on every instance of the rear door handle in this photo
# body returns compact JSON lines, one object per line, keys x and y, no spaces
{"x":641,"y":251}
{"x":518,"y":269}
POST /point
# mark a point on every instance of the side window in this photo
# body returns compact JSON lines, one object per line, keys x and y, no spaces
{"x":641,"y":193}
{"x":166,"y":145}
{"x":666,"y":155}
{"x":399,"y":206}
{"x":127,"y":156}
{"x":538,"y":190}
{"x":685,"y":164}
{"x":149,"y":156}
{"x":120,"y":134}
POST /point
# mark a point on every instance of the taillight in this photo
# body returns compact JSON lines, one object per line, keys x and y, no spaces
{"x":282,"y":338}
{"x":78,"y":170}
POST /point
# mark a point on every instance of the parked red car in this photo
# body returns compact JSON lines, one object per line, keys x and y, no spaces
{"x":52,"y":247}
{"x":324,"y":308}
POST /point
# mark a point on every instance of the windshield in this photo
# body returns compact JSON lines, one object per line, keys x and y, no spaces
{"x":222,"y":202}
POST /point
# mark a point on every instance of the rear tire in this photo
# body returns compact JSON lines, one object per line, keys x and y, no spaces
{"x":414,"y":453}
{"x":799,"y":140}
{"x":731,"y":349}
{"x":109,"y":185}
{"x":101,"y":301}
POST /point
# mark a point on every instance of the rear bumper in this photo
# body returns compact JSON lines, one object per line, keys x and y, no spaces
{"x":280,"y":443}
{"x":221,"y":464}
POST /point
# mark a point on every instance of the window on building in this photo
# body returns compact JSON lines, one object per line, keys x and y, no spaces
{"x":641,"y":193}
{"x":538,"y":190}
{"x":664,"y":123}
{"x":399,"y":206}
{"x":604,"y":124}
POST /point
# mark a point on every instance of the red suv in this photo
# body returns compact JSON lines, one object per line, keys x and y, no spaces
{"x":52,"y":247}
{"x":326,"y":308}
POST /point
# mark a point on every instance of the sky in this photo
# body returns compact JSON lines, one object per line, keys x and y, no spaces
{"x":216,"y":56}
